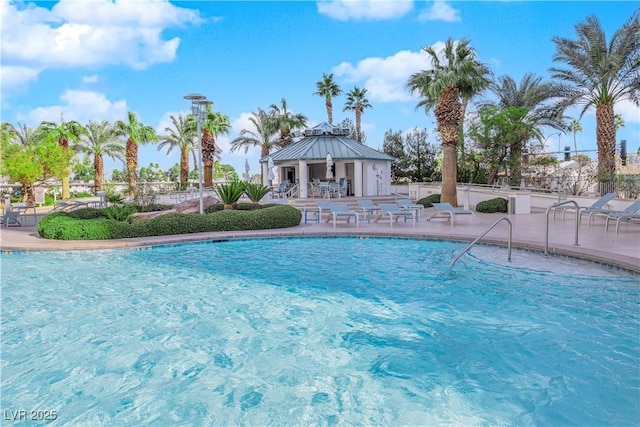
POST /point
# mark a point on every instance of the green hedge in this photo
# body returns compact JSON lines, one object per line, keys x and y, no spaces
{"x":69,"y":225}
{"x":428,"y":201}
{"x":492,"y":206}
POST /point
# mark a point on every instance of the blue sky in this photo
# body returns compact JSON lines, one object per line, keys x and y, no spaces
{"x":99,"y":59}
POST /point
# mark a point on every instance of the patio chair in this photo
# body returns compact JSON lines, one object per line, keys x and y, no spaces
{"x":446,"y":210}
{"x":343,"y":211}
{"x":62,"y":206}
{"x":593,"y":212}
{"x":631,"y":212}
{"x":282,"y":189}
{"x":409,"y":205}
{"x":598,"y":204}
{"x":316,"y":189}
{"x":10,"y":219}
{"x":395,"y":212}
{"x":368,"y":208}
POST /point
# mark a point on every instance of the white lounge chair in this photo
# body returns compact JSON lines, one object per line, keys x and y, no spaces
{"x":10,"y":219}
{"x":343,"y":211}
{"x":631,"y":212}
{"x":598,"y":205}
{"x":395,"y":212}
{"x":368,"y":208}
{"x":408,"y":204}
{"x":446,"y":210}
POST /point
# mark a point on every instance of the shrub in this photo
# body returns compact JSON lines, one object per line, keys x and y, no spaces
{"x":86,"y":213}
{"x":230,"y":193}
{"x":492,"y":206}
{"x":255,"y":192}
{"x":215,"y":207}
{"x":153,"y":207}
{"x":428,"y":201}
{"x":119,"y":212}
{"x":63,"y":226}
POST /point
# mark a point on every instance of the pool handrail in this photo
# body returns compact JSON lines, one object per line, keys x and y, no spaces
{"x":546,"y":237}
{"x":504,"y":218}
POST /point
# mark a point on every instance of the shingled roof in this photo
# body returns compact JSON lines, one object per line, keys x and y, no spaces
{"x":323,"y":139}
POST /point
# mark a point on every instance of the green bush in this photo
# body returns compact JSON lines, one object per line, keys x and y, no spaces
{"x":119,"y":212}
{"x":215,"y":207}
{"x":63,"y":226}
{"x":492,"y":206}
{"x":86,"y":213}
{"x":230,"y":193}
{"x":153,"y":207}
{"x":428,"y":201}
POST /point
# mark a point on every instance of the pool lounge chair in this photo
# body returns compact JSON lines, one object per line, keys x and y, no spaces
{"x":395,"y":212}
{"x":597,"y":205}
{"x":10,"y":219}
{"x":368,"y":208}
{"x":337,"y":211}
{"x":446,"y":210}
{"x":408,"y":204}
{"x":63,"y":206}
{"x":631,"y":212}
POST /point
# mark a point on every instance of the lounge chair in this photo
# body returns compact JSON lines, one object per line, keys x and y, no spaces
{"x":597,"y":205}
{"x":446,"y":210}
{"x":631,"y":212}
{"x":62,"y":206}
{"x":10,"y":219}
{"x":408,"y":204}
{"x":343,"y":211}
{"x":395,"y":212}
{"x":368,"y":208}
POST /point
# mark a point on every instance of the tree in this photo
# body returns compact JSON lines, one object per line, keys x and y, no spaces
{"x":98,"y":140}
{"x":353,"y":133}
{"x":600,"y":74}
{"x":393,"y":145}
{"x":285,"y":121}
{"x":29,"y":157}
{"x":420,"y":154}
{"x":82,"y":169}
{"x":180,"y":136}
{"x":215,"y":124}
{"x":534,"y":96}
{"x":357,"y":101}
{"x":63,"y":133}
{"x":328,"y":89}
{"x":137,"y":133}
{"x":441,"y":88}
{"x":263,"y":136}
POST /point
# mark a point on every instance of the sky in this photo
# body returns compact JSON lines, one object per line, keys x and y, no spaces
{"x":97,"y":60}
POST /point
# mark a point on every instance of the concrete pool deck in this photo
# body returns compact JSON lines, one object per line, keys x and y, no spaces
{"x":595,"y":244}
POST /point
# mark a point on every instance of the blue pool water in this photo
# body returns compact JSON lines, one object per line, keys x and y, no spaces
{"x":335,"y":331}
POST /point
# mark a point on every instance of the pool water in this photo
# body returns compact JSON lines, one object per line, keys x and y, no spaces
{"x":316,"y":331}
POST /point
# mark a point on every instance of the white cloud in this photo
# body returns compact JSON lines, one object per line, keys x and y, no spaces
{"x":344,"y":10}
{"x":17,"y":77}
{"x":90,"y":79}
{"x":81,"y":106}
{"x":385,"y":78}
{"x":440,"y":11}
{"x":81,"y":34}
{"x":629,"y":112}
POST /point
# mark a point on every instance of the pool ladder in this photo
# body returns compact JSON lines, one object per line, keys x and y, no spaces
{"x":567,"y":202}
{"x":504,"y":218}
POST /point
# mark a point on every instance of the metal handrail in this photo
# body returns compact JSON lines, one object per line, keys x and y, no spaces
{"x":292,"y":192}
{"x":504,"y":218}
{"x":555,"y":205}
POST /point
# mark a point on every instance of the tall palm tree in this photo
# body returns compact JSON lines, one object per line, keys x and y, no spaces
{"x":180,"y":136}
{"x":328,"y":89}
{"x":215,"y":124}
{"x":137,"y":133}
{"x":535,"y":96}
{"x":100,"y":139}
{"x":357,"y":101}
{"x":63,"y":132}
{"x":600,"y":74}
{"x":263,"y":136}
{"x":441,"y":88}
{"x":285,"y":121}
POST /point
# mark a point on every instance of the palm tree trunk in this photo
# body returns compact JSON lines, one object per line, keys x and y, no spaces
{"x":329,"y":106}
{"x":66,"y":190}
{"x":358,"y":120}
{"x":132,"y":165}
{"x":184,"y":166}
{"x":208,"y":153}
{"x":447,"y":114}
{"x":30,"y":194}
{"x":516,"y":165}
{"x":284,"y":137}
{"x":606,"y":139}
{"x":98,"y":169}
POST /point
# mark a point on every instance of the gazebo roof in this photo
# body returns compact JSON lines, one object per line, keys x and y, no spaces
{"x":323,"y":139}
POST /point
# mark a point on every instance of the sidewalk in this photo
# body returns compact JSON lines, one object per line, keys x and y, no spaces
{"x":596,"y":244}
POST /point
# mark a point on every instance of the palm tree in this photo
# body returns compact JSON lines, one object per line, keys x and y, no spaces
{"x":357,"y":101}
{"x":285,"y":122}
{"x":600,"y":74}
{"x":180,"y":136}
{"x":137,"y":133}
{"x":535,"y":96}
{"x":441,"y":88}
{"x":262,"y":137}
{"x":215,"y":124}
{"x":99,"y":139}
{"x":328,"y":89}
{"x":63,"y":132}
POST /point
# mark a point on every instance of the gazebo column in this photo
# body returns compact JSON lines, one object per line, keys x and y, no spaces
{"x":303,"y":172}
{"x":357,"y":177}
{"x":265,"y":174}
{"x":341,"y":170}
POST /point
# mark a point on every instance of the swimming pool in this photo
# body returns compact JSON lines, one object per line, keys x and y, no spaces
{"x":322,"y":331}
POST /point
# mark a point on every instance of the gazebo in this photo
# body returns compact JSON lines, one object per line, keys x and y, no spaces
{"x":368,"y":171}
